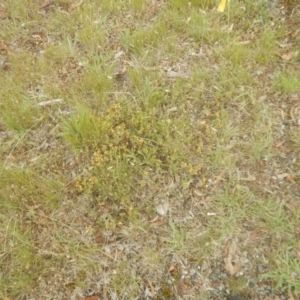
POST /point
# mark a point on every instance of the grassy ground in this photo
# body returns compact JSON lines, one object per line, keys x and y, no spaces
{"x":149,"y":149}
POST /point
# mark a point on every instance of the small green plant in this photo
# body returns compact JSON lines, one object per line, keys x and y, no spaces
{"x":139,"y":39}
{"x":267,"y":44}
{"x":236,"y":284}
{"x":286,"y":274}
{"x":287,"y":82}
{"x":123,"y":141}
{"x":81,"y":130}
{"x":261,"y":146}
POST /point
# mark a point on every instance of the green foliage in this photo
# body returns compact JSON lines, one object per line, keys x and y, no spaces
{"x":141,"y":38}
{"x":287,"y":82}
{"x":286,"y":273}
{"x":267,"y":44}
{"x":27,"y":188}
{"x":123,"y":141}
{"x":23,"y":196}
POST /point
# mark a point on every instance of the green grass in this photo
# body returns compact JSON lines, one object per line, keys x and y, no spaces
{"x":149,"y":102}
{"x":289,"y":272}
{"x":287,"y":82}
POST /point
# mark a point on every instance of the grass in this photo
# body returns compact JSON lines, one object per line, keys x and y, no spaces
{"x":152,"y":102}
{"x":287,"y":82}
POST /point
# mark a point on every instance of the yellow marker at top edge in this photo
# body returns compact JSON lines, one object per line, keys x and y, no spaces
{"x":222,"y":5}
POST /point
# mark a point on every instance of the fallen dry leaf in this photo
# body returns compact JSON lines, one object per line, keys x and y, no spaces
{"x":205,"y":200}
{"x":291,"y":297}
{"x":158,"y":223}
{"x":253,"y":236}
{"x":262,"y":98}
{"x":173,"y":74}
{"x":171,"y":268}
{"x":172,"y":109}
{"x":290,"y":178}
{"x":287,"y":57}
{"x":243,"y":43}
{"x":95,"y":297}
{"x":230,"y":250}
{"x":226,"y":249}
{"x":100,"y":239}
{"x":153,"y":292}
{"x":218,"y":181}
{"x":250,"y":178}
{"x":181,"y":285}
{"x":121,"y":71}
{"x":295,"y":113}
{"x":292,"y":206}
{"x":294,"y":97}
{"x":154,"y":219}
{"x":3,"y":48}
{"x":231,"y":268}
{"x":3,"y":11}
{"x":282,"y":114}
{"x":279,"y":145}
{"x":49,"y":102}
{"x":280,"y":176}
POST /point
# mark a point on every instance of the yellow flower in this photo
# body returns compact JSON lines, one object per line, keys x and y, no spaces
{"x":222,"y":5}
